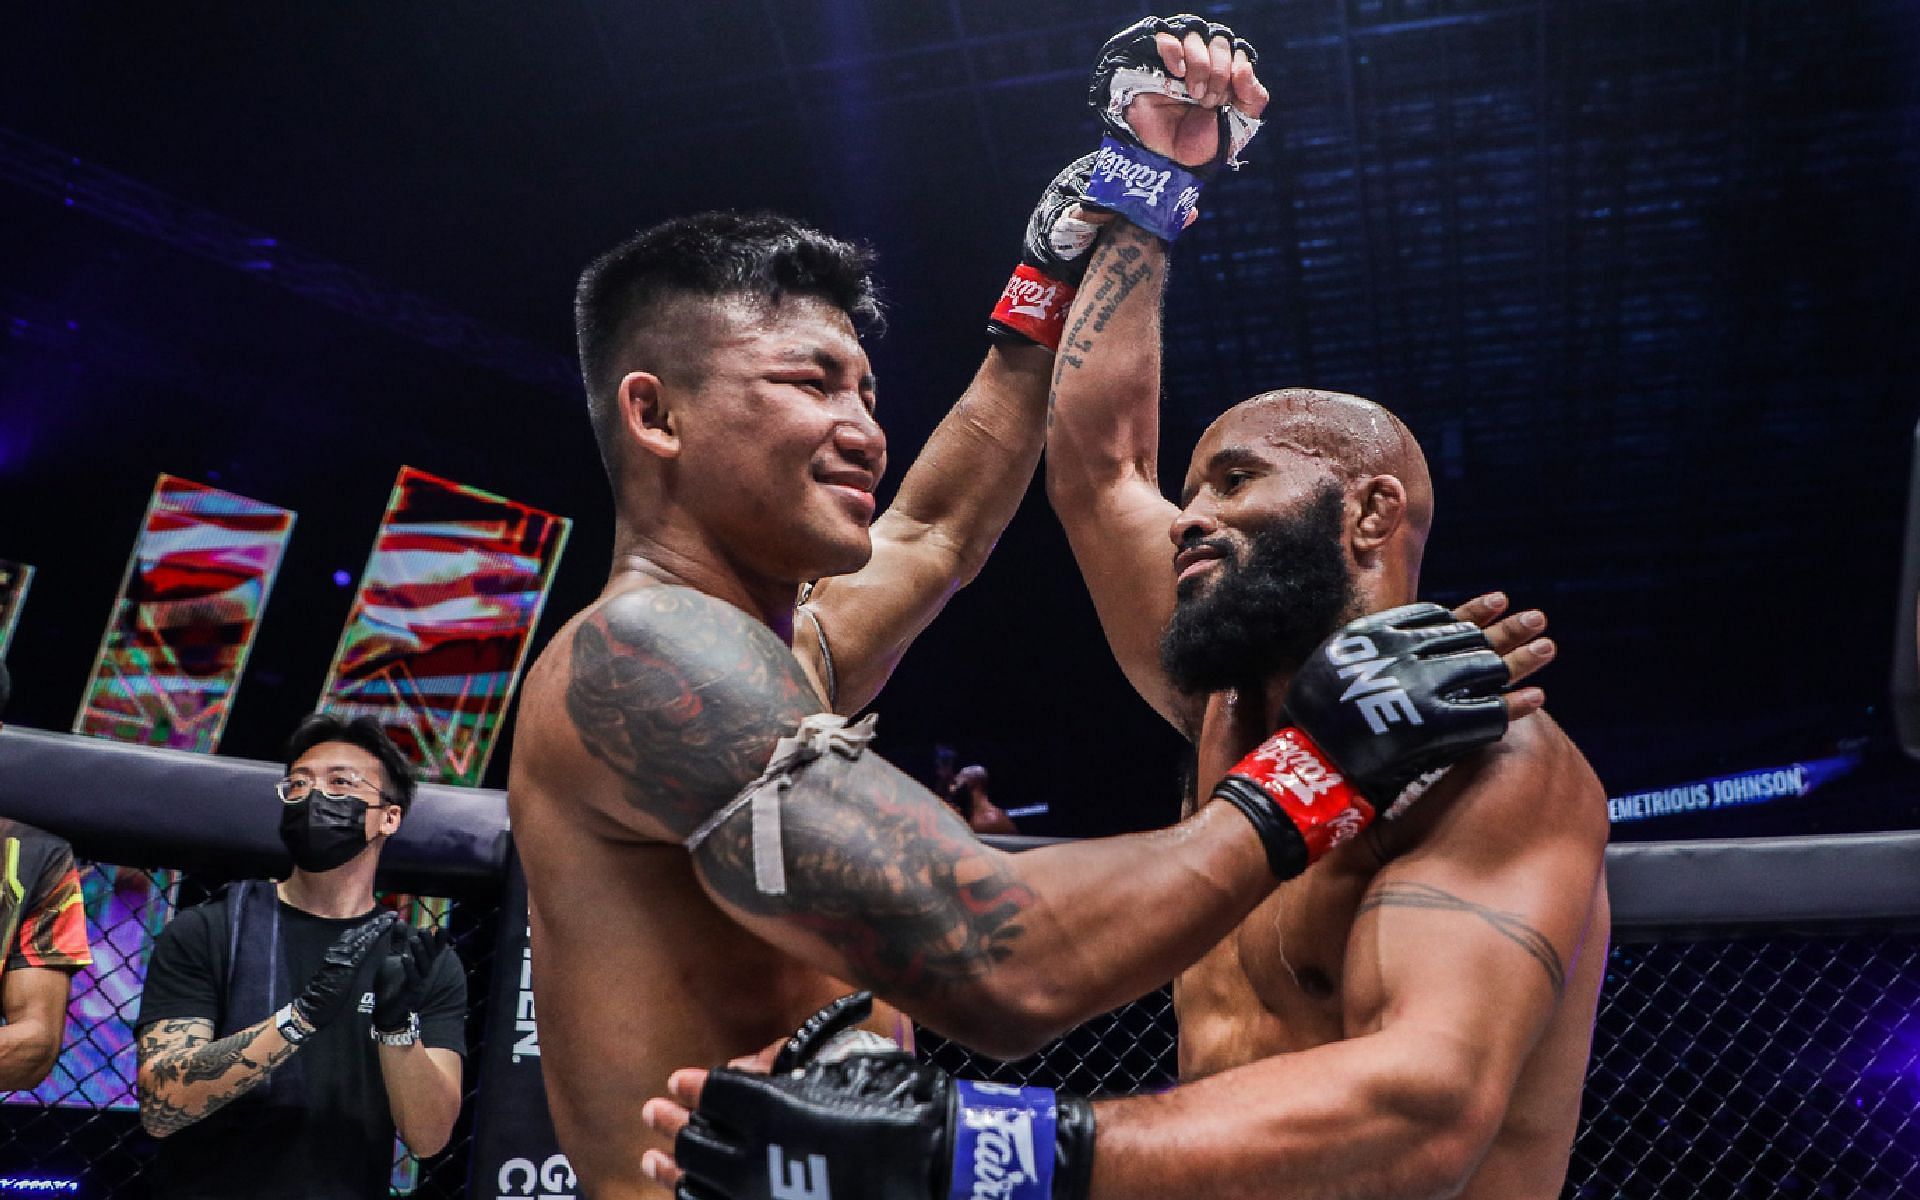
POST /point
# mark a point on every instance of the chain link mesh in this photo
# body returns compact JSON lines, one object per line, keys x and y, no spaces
{"x":1778,"y":1066}
{"x":83,"y":1125}
{"x":1750,"y":1067}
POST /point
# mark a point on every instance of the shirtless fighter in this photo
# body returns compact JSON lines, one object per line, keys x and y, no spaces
{"x":709,"y":853}
{"x":1410,"y":1017}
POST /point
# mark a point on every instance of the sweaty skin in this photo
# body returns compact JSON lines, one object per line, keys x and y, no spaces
{"x":1410,"y":1017}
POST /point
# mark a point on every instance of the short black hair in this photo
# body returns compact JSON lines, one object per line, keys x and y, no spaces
{"x":633,"y":288}
{"x":364,"y":732}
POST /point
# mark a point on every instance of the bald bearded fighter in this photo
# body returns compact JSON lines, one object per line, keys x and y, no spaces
{"x":709,"y":852}
{"x":1409,"y":1017}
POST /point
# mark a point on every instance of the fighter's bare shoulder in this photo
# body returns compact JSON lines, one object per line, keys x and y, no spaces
{"x":681,"y":696}
{"x":1531,"y":784}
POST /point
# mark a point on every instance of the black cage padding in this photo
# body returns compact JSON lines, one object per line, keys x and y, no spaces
{"x":170,"y":808}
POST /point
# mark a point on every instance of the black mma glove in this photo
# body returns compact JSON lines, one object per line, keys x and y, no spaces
{"x":878,"y":1125}
{"x":1149,"y":189}
{"x":1378,"y":712}
{"x":1154,"y":192}
{"x":1053,"y":260}
{"x":330,"y":990}
{"x":400,"y":982}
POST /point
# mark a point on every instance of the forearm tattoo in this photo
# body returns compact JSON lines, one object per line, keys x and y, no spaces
{"x":1507,"y":925}
{"x":1119,"y":267}
{"x":177,"y":1056}
{"x":684,"y":697}
{"x":884,"y":874}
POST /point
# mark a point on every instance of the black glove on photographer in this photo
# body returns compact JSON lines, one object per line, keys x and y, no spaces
{"x":400,"y":983}
{"x":330,"y":990}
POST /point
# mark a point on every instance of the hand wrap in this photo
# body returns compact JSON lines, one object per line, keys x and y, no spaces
{"x":1379,"y":711}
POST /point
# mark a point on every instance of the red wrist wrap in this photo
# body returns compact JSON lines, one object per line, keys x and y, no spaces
{"x":1034,"y":305}
{"x":1306,"y":786}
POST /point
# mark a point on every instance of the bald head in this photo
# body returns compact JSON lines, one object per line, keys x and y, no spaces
{"x":1355,"y":437}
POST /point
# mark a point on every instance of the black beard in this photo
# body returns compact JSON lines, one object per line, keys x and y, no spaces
{"x":1264,"y":616}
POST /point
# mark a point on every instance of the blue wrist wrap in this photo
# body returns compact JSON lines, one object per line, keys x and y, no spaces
{"x":1003,"y":1142}
{"x":1154,"y":193}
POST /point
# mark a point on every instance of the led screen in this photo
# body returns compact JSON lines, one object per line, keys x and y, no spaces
{"x":185,"y":619}
{"x":439,"y":628}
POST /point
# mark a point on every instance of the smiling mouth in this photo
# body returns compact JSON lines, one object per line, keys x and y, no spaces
{"x":857,"y":497}
{"x":1191,"y":562}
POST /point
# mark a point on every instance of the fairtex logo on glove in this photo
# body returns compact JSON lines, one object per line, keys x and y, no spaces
{"x":1378,"y":696}
{"x":1002,"y":1143}
{"x":1034,"y":298}
{"x":1295,"y":768}
{"x":1155,"y":193}
{"x":1306,"y":786}
{"x":1137,"y":179}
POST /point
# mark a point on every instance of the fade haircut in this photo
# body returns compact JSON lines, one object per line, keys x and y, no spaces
{"x":364,"y":732}
{"x":636,"y":290}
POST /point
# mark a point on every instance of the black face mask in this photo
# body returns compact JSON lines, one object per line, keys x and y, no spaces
{"x":323,"y":832}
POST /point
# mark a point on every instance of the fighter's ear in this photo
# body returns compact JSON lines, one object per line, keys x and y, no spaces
{"x":1382,"y":510}
{"x":647,"y":414}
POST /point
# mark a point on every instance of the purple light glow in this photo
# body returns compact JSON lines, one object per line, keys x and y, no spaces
{"x":341,"y":579}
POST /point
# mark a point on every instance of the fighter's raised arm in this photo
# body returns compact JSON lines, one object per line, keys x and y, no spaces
{"x":1103,"y":437}
{"x":1103,"y":409}
{"x":953,"y":504}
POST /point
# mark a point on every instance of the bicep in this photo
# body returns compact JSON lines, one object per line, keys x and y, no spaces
{"x":36,"y":996}
{"x":1119,"y":539}
{"x":1474,"y":933}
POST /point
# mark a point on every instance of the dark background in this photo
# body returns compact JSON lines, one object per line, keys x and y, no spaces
{"x":1643,"y":276}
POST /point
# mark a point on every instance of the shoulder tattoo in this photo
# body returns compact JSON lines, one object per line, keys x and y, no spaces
{"x":683,"y":696}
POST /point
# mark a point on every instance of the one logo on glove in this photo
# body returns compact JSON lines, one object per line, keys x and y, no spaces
{"x":1031,"y":298}
{"x":1139,"y":180}
{"x":796,"y":1181}
{"x":1378,"y":696}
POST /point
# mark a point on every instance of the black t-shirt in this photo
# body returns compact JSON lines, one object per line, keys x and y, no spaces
{"x":331,"y":1136}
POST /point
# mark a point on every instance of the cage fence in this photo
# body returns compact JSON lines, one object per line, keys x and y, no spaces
{"x":1768,"y":1059}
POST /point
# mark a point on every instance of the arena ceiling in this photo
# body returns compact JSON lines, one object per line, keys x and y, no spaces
{"x":1642,"y":276}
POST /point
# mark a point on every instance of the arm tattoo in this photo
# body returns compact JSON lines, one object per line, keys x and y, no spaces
{"x":884,"y":873}
{"x":1507,"y":925}
{"x":1117,"y":269}
{"x":684,"y":697}
{"x":176,"y":1056}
